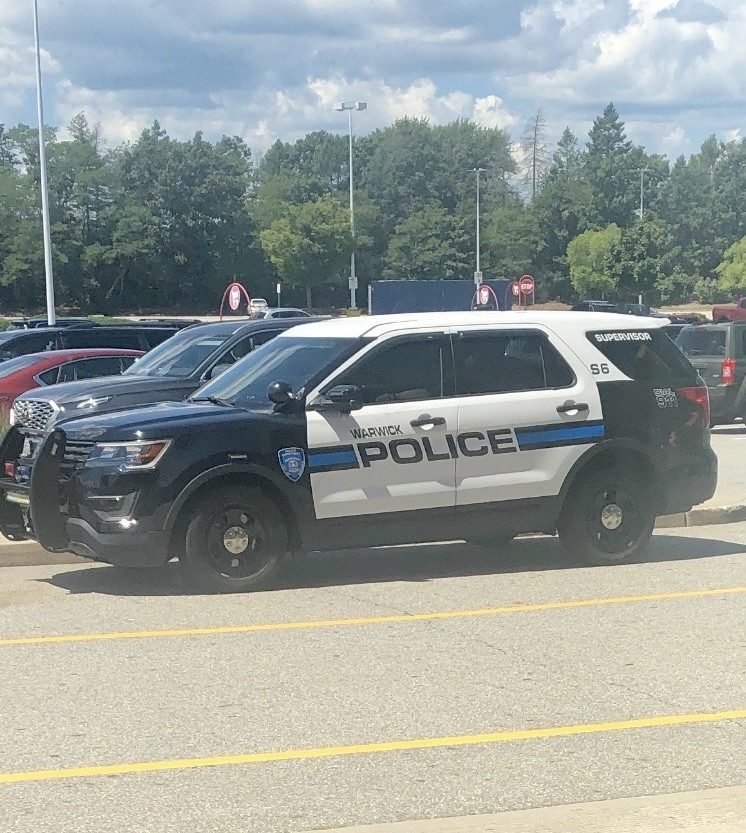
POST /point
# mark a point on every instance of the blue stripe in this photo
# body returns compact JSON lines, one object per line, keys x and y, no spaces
{"x":332,"y":458}
{"x":560,"y":434}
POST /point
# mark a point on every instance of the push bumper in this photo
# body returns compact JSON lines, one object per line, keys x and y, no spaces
{"x":133,"y":548}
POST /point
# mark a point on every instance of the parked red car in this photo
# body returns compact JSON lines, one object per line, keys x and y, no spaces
{"x":36,"y":370}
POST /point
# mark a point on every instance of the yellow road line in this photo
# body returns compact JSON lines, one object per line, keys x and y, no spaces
{"x":369,"y":620}
{"x":370,"y":748}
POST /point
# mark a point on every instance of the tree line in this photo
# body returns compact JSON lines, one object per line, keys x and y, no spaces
{"x":165,"y":224}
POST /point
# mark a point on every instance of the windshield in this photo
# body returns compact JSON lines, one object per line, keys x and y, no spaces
{"x":179,"y":356}
{"x":294,"y":360}
{"x":702,"y":342}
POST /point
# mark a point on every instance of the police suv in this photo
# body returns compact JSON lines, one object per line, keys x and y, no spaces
{"x":382,"y":430}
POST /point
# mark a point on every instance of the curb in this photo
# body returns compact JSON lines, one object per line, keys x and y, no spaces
{"x":30,"y":554}
{"x":703,"y":516}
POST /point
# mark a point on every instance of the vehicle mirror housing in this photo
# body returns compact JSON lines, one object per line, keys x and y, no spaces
{"x":280,"y":393}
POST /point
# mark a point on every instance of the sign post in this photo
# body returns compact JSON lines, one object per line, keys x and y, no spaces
{"x":232,"y":294}
{"x":527,"y":286}
{"x":279,"y":290}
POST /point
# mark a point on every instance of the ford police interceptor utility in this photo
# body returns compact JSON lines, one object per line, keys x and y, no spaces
{"x":382,"y":430}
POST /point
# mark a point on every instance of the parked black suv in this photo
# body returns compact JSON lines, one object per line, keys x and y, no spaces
{"x":718,"y":352}
{"x":171,"y":371}
{"x":140,"y":336}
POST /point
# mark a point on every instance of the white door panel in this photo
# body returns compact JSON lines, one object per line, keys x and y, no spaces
{"x":373,"y":460}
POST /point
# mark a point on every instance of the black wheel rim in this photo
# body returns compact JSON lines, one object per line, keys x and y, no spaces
{"x":617,"y":520}
{"x":237,"y":544}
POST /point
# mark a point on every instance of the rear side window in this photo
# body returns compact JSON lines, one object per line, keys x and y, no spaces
{"x":643,"y":355}
{"x":702,"y":341}
{"x":502,"y":362}
{"x":126,"y":338}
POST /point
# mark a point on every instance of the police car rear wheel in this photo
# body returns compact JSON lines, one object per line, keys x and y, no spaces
{"x":235,"y":540}
{"x":608,"y":518}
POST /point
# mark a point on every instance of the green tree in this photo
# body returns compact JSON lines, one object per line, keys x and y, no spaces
{"x":732,"y":269}
{"x":430,"y":244}
{"x":589,"y":257}
{"x":512,"y":243}
{"x":310,"y":246}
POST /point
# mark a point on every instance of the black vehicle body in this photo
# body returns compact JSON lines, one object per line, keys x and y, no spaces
{"x":39,"y":408}
{"x":141,"y":336}
{"x":128,"y":517}
{"x":595,"y":306}
{"x":718,"y":352}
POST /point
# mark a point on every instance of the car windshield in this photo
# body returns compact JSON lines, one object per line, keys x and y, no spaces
{"x":289,"y":359}
{"x":701,"y":342}
{"x":179,"y":356}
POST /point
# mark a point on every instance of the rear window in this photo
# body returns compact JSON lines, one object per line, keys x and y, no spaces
{"x":643,"y":355}
{"x":702,"y":342}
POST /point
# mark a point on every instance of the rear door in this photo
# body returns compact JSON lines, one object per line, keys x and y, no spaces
{"x":528,"y":409}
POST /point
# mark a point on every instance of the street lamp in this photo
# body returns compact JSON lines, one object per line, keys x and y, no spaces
{"x":43,"y":171}
{"x":642,"y":185}
{"x":478,"y":273}
{"x":350,"y":106}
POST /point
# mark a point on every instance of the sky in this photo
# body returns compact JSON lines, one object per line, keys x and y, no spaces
{"x":675,"y":69}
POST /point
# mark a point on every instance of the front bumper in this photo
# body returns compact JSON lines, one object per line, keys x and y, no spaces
{"x":133,"y":548}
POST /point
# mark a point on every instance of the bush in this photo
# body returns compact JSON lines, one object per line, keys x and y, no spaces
{"x":708,"y":291}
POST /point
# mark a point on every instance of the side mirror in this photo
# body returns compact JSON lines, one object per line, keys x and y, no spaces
{"x":280,"y":393}
{"x":345,"y":398}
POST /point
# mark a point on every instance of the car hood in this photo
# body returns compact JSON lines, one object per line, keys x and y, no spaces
{"x":66,"y":392}
{"x":164,"y":420}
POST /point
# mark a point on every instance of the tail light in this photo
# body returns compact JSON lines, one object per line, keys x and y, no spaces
{"x":728,"y":372}
{"x":700,"y":397}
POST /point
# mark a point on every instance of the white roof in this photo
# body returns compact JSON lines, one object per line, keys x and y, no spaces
{"x":374,"y":326}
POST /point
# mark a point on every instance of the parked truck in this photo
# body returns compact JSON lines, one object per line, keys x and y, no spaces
{"x":730,"y":312}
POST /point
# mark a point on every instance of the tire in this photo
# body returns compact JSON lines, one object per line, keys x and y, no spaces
{"x":249,"y":522}
{"x":608,"y":517}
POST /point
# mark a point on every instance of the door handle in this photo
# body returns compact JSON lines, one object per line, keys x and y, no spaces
{"x":572,"y":406}
{"x":426,"y":419}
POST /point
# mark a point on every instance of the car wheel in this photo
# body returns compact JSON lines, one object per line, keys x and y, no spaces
{"x":235,"y":541}
{"x":608,"y":518}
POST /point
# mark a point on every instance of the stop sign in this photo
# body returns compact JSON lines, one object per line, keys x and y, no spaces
{"x":484,"y":295}
{"x":234,"y":297}
{"x":527,"y":284}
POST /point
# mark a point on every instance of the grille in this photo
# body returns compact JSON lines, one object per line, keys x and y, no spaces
{"x":76,"y":453}
{"x":32,"y":413}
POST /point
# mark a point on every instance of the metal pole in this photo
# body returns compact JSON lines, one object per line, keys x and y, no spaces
{"x":48,"y":271}
{"x":478,"y":177}
{"x":642,"y":182}
{"x":353,"y":300}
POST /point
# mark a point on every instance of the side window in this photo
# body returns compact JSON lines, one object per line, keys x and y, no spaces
{"x":100,"y":337}
{"x":742,"y":303}
{"x":49,"y":377}
{"x":33,"y":344}
{"x":401,"y":371}
{"x":125,"y":362}
{"x":92,"y":368}
{"x":503,"y":362}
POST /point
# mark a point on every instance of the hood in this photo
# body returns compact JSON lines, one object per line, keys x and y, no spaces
{"x":66,"y":392}
{"x":164,"y":420}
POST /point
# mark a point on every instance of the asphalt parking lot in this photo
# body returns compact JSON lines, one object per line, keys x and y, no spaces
{"x":376,"y":686}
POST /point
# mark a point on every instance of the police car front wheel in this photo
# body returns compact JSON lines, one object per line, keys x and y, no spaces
{"x":608,"y":518}
{"x":235,"y":540}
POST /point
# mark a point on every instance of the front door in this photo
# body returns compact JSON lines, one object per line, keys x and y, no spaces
{"x":527,"y":413}
{"x":395,"y":452}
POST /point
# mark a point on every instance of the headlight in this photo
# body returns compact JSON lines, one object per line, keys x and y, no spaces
{"x":91,"y":402}
{"x":141,"y":454}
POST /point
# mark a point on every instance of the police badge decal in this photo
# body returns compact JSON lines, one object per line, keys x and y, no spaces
{"x":292,"y":462}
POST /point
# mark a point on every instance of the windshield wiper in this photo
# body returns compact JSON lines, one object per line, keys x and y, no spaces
{"x":215,"y":400}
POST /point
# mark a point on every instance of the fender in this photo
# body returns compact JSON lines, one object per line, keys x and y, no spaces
{"x":229,"y":469}
{"x":605,"y":446}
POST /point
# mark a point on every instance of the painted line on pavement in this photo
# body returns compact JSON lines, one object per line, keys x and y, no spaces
{"x":369,"y":748}
{"x":369,"y":620}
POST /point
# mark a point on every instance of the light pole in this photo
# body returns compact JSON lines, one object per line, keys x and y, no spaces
{"x":478,"y":273}
{"x":350,"y":106}
{"x":642,"y":185}
{"x":43,"y":171}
